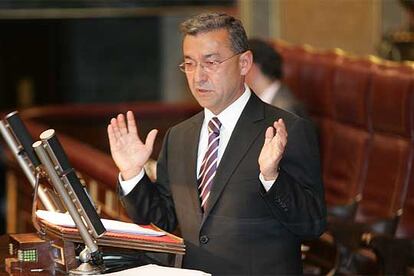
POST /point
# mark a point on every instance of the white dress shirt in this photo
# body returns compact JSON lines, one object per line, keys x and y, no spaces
{"x":228,"y":118}
{"x":270,"y":92}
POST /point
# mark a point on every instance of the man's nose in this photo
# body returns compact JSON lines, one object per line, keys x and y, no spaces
{"x":200,"y":74}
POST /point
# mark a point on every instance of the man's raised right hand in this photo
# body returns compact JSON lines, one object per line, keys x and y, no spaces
{"x":128,"y":151}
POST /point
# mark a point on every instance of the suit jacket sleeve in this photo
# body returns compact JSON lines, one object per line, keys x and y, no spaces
{"x":296,"y":198}
{"x":152,"y":203}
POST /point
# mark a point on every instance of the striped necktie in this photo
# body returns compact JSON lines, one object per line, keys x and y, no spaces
{"x":210,"y":160}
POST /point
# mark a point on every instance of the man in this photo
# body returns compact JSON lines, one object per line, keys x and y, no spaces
{"x":265,"y":78}
{"x":242,"y":195}
{"x":398,"y":43}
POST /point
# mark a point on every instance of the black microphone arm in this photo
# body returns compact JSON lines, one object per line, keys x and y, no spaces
{"x":20,"y":143}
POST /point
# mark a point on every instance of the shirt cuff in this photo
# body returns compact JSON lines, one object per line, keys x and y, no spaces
{"x":128,"y":185}
{"x":267,"y":184}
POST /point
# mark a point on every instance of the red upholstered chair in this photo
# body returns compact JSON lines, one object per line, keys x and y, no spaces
{"x":292,"y":60}
{"x":395,"y":255}
{"x":315,"y":85}
{"x":370,"y":62}
{"x":405,"y":229}
{"x":389,"y":166}
{"x":388,"y":171}
{"x":308,"y":73}
{"x":346,"y":140}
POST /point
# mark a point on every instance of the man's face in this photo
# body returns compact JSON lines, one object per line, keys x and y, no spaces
{"x":218,"y":89}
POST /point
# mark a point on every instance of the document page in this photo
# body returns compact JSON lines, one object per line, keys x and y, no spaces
{"x":156,"y":270}
{"x":65,"y":220}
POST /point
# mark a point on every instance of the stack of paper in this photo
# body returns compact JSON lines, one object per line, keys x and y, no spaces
{"x":156,"y":270}
{"x":66,"y":220}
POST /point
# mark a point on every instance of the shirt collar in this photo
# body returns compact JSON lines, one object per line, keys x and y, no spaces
{"x":270,"y":92}
{"x":229,"y":116}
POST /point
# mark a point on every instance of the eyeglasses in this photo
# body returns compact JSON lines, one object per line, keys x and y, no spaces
{"x":209,"y":66}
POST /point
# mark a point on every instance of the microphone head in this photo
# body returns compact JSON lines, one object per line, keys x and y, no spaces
{"x":49,"y":136}
{"x":22,"y":135}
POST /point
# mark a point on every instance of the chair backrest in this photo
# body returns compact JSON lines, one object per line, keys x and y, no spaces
{"x":389,"y":165}
{"x":346,"y":137}
{"x":315,"y":84}
{"x":292,"y":59}
{"x":405,"y":228}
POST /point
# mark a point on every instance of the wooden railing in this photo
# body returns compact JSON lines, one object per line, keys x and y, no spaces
{"x":82,"y":131}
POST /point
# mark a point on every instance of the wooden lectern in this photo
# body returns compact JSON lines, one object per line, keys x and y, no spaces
{"x":54,"y":253}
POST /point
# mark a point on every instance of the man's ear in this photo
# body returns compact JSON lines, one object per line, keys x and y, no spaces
{"x":245,"y":61}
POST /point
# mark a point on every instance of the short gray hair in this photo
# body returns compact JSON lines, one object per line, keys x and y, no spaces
{"x":207,"y":22}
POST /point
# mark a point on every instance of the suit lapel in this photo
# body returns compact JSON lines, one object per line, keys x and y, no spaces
{"x":244,"y":134}
{"x":192,"y":137}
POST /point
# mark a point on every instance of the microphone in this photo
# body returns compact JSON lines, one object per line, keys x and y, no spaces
{"x":20,"y":132}
{"x":68,"y":175}
{"x":19,"y":142}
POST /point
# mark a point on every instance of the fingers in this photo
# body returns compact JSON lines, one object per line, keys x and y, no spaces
{"x":120,"y":127}
{"x":113,"y":140}
{"x":121,"y":124}
{"x":132,"y":127}
{"x":278,"y":139}
{"x":149,"y":142}
{"x":111,"y":136}
{"x":269,"y":135}
{"x":119,"y":130}
{"x":280,"y":127}
{"x":115,"y":128}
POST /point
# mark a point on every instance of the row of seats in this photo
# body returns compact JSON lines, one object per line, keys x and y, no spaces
{"x":364,"y":109}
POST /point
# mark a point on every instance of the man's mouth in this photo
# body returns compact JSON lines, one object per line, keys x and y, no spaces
{"x":202,"y":90}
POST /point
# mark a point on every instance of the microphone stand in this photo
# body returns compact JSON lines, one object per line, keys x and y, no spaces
{"x":75,"y":199}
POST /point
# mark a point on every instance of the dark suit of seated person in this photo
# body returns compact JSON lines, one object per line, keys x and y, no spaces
{"x":243,"y":193}
{"x":265,"y":78}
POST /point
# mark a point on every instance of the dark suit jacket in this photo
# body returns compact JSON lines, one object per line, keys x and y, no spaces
{"x":285,"y":99}
{"x":245,"y":230}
